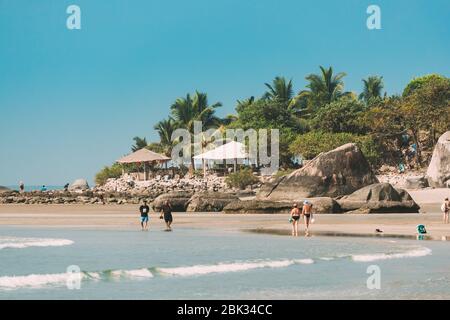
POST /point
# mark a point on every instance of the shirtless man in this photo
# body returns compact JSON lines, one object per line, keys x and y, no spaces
{"x":307,"y":214}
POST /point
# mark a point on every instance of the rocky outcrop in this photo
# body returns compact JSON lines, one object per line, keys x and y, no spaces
{"x":210,"y":201}
{"x":177,"y":199}
{"x":320,"y":205}
{"x":379,"y":198}
{"x":79,"y":185}
{"x":331,"y":174}
{"x":162,"y":185}
{"x":438,"y":172}
{"x":61,"y":197}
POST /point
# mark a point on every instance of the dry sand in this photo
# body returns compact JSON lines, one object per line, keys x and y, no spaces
{"x":127,"y":216}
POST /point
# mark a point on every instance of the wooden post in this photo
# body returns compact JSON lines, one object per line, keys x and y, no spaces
{"x":145,"y":171}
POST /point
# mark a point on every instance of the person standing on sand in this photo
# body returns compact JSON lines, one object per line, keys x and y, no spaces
{"x":144,"y":209}
{"x":21,"y":187}
{"x":295,"y":216}
{"x":307,"y":214}
{"x":167,"y":213}
{"x":446,"y":209}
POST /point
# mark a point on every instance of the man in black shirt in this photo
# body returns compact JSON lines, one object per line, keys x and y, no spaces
{"x":144,"y":209}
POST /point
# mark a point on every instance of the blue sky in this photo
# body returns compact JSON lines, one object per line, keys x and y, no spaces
{"x":72,"y":100}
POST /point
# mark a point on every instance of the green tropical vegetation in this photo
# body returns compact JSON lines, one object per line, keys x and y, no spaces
{"x":322,"y":116}
{"x":241,"y":179}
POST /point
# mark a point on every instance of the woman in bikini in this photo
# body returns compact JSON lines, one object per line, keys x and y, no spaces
{"x":295,"y":216}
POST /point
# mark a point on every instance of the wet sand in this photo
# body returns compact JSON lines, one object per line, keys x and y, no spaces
{"x":127,"y":216}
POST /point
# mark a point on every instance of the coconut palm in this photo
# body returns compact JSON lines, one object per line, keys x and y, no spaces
{"x":373,"y":86}
{"x":279,"y":90}
{"x":186,"y":111}
{"x":139,"y":143}
{"x":323,"y":88}
{"x":165,"y":128}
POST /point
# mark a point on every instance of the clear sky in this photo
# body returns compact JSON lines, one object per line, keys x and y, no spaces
{"x":72,"y":100}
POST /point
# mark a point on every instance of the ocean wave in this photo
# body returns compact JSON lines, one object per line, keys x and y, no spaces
{"x":230,"y":267}
{"x":60,"y":279}
{"x":33,"y":280}
{"x":20,"y":243}
{"x":413,"y":253}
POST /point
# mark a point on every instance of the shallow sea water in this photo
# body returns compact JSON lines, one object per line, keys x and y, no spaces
{"x":204,"y":264}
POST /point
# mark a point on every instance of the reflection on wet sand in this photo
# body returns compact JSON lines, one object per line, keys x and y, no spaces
{"x":281,"y":232}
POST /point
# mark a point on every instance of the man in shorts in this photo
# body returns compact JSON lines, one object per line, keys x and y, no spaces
{"x":307,"y":214}
{"x":144,"y":210}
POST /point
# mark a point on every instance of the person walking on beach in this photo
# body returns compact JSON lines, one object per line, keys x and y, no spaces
{"x":446,"y":209}
{"x":144,"y":209}
{"x":21,"y":187}
{"x":167,"y":213}
{"x":295,"y":217}
{"x":307,"y":214}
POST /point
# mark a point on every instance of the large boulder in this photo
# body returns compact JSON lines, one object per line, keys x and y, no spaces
{"x":379,"y":198}
{"x":79,"y":185}
{"x":210,"y":201}
{"x":331,"y":174}
{"x":438,"y":172}
{"x":320,"y":205}
{"x":177,"y":199}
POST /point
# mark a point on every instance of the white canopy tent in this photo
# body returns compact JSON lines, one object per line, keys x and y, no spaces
{"x":231,"y":150}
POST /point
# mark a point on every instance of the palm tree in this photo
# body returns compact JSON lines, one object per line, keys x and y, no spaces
{"x":186,"y":111}
{"x":242,"y":104}
{"x":279,"y":90}
{"x":139,"y":143}
{"x":323,"y":88}
{"x":165,"y":128}
{"x":373,"y":86}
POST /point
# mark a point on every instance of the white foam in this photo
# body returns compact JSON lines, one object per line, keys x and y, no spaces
{"x":414,"y":253}
{"x":304,"y":261}
{"x":231,"y":267}
{"x":33,"y":280}
{"x":20,"y":243}
{"x":139,"y":273}
{"x":136,"y":273}
{"x":327,"y":258}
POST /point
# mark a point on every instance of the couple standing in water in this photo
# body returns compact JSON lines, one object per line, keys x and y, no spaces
{"x":166,"y":214}
{"x":296,"y":214}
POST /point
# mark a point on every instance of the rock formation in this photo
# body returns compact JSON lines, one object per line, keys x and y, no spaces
{"x":320,"y":205}
{"x":210,"y":201}
{"x":438,"y":172}
{"x":178,"y":200}
{"x":331,"y":174}
{"x":379,"y":198}
{"x":79,"y":185}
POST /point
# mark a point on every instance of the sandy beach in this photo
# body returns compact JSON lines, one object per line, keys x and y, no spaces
{"x":126,"y":217}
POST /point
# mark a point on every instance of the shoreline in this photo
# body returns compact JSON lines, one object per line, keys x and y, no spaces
{"x":126,"y":217}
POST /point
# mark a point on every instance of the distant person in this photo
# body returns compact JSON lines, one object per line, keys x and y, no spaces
{"x":307,"y":214}
{"x":144,"y":210}
{"x":21,"y":187}
{"x":167,"y":214}
{"x":295,"y":216}
{"x":445,"y":209}
{"x":43,"y":188}
{"x":66,"y":187}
